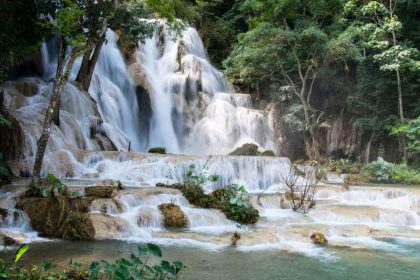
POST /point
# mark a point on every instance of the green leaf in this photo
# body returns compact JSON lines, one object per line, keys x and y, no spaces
{"x":20,"y":252}
{"x":178,"y":265}
{"x":154,"y":250}
{"x":51,"y":177}
{"x":142,"y":249}
{"x":1,"y":265}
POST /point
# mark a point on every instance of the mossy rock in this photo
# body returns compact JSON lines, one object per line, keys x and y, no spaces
{"x":173,"y":217}
{"x":268,"y":153}
{"x":100,"y":191}
{"x":318,"y":239}
{"x":157,"y":150}
{"x":47,"y":214}
{"x":195,"y":195}
{"x":77,"y":226}
{"x":235,"y":238}
{"x":248,"y":149}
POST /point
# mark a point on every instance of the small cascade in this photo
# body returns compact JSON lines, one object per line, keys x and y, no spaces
{"x":254,"y":173}
{"x":14,"y":222}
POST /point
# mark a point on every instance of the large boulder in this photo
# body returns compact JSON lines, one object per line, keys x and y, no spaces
{"x":251,"y":149}
{"x":100,"y":191}
{"x":49,"y":214}
{"x":248,"y":149}
{"x":77,"y":226}
{"x":173,"y":217}
{"x":318,"y":239}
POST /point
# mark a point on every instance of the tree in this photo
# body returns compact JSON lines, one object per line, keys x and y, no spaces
{"x":129,"y":18}
{"x":294,"y":59}
{"x":301,"y":191}
{"x":81,"y":26}
{"x":411,"y":130}
{"x":68,"y":20}
{"x":377,"y":27}
{"x":20,"y":37}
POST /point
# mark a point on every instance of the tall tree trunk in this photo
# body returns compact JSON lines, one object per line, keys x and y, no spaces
{"x":56,"y":114}
{"x":64,"y":67}
{"x":400,"y":101}
{"x":84,"y":77}
{"x":401,"y":113}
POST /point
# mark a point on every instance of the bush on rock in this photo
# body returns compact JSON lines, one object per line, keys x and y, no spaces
{"x":157,"y":150}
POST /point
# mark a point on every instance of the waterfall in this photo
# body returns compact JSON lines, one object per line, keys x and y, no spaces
{"x":193,"y":110}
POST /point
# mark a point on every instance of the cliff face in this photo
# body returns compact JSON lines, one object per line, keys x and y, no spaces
{"x":339,"y":138}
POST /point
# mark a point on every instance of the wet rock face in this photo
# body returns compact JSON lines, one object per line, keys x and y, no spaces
{"x":7,"y":240}
{"x":173,"y":217}
{"x":318,"y":239}
{"x":100,"y":192}
{"x":61,"y":217}
{"x":77,"y":226}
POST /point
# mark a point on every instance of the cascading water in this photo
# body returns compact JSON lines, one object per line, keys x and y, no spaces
{"x":193,"y":112}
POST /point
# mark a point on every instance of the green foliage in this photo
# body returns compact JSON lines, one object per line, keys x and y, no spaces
{"x":381,"y":28}
{"x":157,"y":150}
{"x":195,"y":195}
{"x":4,"y":121}
{"x":55,"y":184}
{"x":218,"y":23}
{"x":200,"y":177}
{"x":377,"y":27}
{"x":33,"y":191}
{"x":135,"y":267}
{"x":20,"y":35}
{"x":20,"y":252}
{"x":410,"y":130}
{"x":234,"y":201}
{"x":381,"y":171}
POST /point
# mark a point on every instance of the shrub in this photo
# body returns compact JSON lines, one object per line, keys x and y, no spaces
{"x":301,"y":195}
{"x":381,"y":171}
{"x":195,"y":195}
{"x":234,"y":201}
{"x":134,"y":267}
{"x":157,"y":150}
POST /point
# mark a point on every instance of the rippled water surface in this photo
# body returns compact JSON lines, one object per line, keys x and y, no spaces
{"x":232,"y":263}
